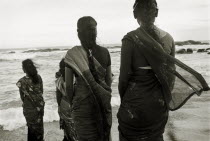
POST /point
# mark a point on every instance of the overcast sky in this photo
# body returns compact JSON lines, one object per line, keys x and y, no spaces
{"x":43,"y":23}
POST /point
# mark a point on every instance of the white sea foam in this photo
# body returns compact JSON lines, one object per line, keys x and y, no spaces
{"x":115,"y":101}
{"x":13,"y":118}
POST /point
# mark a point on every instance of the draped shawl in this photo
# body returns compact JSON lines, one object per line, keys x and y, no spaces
{"x":77,"y":59}
{"x":179,"y":81}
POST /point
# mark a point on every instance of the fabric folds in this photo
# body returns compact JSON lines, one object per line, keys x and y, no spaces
{"x":178,"y":80}
{"x":77,"y":59}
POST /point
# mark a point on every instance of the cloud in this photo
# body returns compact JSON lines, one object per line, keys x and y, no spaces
{"x":49,"y":22}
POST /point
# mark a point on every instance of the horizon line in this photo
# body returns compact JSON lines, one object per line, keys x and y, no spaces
{"x":63,"y":46}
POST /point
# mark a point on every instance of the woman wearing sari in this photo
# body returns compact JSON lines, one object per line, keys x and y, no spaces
{"x":90,"y":97}
{"x":64,"y":109}
{"x":151,"y":81}
{"x":31,"y":91}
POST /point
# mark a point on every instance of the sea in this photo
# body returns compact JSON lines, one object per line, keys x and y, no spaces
{"x":47,"y":62}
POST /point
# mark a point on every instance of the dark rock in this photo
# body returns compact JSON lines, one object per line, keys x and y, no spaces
{"x":12,"y":52}
{"x":181,"y":51}
{"x":189,"y":50}
{"x":190,"y":42}
{"x":201,"y":50}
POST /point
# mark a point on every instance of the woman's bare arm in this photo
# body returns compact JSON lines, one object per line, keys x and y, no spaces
{"x":69,"y":77}
{"x":21,"y":95}
{"x":108,"y":77}
{"x":125,"y":66}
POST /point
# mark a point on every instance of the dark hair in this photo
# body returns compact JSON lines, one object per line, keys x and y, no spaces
{"x":92,"y":65}
{"x":30,"y":70}
{"x":84,"y":21}
{"x":147,"y":10}
{"x":62,"y":68}
{"x":84,"y":24}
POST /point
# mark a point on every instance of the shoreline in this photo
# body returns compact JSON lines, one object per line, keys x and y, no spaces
{"x":52,"y":131}
{"x":190,"y":123}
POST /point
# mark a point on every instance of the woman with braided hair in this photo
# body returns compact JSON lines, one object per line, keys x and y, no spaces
{"x":31,"y":93}
{"x":151,"y":80}
{"x":90,"y":96}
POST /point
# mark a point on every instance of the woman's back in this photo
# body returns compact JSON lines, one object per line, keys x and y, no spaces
{"x":132,"y":54}
{"x":29,"y":91}
{"x":101,"y":54}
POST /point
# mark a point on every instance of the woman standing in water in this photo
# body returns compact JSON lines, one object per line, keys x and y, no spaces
{"x":90,"y":97}
{"x":147,"y":78}
{"x":31,"y":93}
{"x":64,"y":108}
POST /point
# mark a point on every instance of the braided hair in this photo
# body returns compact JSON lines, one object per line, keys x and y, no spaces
{"x":88,"y":43}
{"x":147,"y":11}
{"x":92,"y":65}
{"x":30,"y":69}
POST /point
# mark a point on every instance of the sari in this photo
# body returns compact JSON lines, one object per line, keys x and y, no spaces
{"x":66,"y":122}
{"x":179,"y":81}
{"x":33,"y":107}
{"x":91,"y":108}
{"x":143,"y":112}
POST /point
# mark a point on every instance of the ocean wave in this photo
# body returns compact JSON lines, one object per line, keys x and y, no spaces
{"x":11,"y":52}
{"x":115,"y":51}
{"x":42,"y":50}
{"x":115,"y":101}
{"x":112,"y":47}
{"x":12,"y":118}
{"x":3,"y":60}
{"x":16,"y":56}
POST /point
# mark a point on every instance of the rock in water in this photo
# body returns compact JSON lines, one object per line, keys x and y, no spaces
{"x":201,"y":50}
{"x":189,"y":50}
{"x":181,"y":51}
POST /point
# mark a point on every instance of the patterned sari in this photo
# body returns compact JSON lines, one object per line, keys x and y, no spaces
{"x":98,"y":94}
{"x":33,"y":107}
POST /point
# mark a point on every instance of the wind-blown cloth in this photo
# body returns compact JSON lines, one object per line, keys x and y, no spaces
{"x":77,"y":59}
{"x":60,"y":85}
{"x":179,"y":81}
{"x":66,"y":121}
